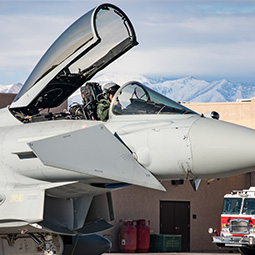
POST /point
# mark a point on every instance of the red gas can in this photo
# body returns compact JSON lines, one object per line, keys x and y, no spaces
{"x":143,"y":236}
{"x":128,"y":237}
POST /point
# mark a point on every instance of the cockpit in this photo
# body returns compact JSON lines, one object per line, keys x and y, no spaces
{"x":133,"y":98}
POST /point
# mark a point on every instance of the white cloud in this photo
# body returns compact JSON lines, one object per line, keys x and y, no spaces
{"x":198,"y":38}
{"x":212,"y":61}
{"x":26,"y":38}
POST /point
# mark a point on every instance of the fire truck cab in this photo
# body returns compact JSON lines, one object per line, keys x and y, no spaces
{"x":237,"y":226}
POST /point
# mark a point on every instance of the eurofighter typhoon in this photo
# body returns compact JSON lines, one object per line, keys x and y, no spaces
{"x":58,"y":169}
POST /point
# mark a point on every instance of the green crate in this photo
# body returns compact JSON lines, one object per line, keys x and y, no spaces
{"x":165,"y":243}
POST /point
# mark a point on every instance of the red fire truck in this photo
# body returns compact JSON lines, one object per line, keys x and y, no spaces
{"x":237,"y":226}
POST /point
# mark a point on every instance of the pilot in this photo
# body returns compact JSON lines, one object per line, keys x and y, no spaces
{"x":103,"y":105}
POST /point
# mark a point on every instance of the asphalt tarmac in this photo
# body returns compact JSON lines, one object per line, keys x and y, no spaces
{"x":179,"y":253}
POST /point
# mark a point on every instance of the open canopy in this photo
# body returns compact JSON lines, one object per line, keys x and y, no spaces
{"x":86,"y":47}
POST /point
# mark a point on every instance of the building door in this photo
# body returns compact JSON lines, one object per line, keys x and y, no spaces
{"x":175,"y":220}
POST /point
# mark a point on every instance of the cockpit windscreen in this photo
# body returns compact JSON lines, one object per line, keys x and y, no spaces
{"x":135,"y":98}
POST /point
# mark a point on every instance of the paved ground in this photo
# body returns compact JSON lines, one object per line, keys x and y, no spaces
{"x":178,"y":253}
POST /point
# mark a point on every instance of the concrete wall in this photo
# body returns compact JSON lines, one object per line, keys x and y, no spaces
{"x":6,"y":99}
{"x":241,"y":113}
{"x":206,"y":203}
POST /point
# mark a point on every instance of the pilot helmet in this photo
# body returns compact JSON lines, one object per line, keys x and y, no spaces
{"x":110,"y":89}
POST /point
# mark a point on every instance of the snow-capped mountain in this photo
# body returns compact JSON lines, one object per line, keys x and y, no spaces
{"x":185,"y":89}
{"x":193,"y":90}
{"x":11,"y":88}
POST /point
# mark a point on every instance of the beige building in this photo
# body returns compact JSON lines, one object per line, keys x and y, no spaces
{"x":241,"y":112}
{"x":181,"y":208}
{"x":6,"y":99}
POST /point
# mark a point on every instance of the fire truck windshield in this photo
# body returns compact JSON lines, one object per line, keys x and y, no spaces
{"x":232,"y":206}
{"x":249,"y":206}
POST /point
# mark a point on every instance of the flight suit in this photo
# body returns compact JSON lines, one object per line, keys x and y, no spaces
{"x":103,"y":109}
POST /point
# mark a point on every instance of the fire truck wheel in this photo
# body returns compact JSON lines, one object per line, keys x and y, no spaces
{"x":247,"y":251}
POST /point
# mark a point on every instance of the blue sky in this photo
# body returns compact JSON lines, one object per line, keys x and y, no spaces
{"x":206,"y":39}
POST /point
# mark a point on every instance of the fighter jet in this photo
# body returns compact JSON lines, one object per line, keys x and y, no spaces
{"x":58,"y":169}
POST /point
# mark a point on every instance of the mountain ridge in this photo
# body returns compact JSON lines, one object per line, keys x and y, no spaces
{"x":188,"y":89}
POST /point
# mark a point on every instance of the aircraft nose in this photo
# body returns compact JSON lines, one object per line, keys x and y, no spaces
{"x":221,"y":149}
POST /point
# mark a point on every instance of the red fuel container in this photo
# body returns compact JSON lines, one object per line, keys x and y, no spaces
{"x":143,"y":236}
{"x":128,"y":237}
